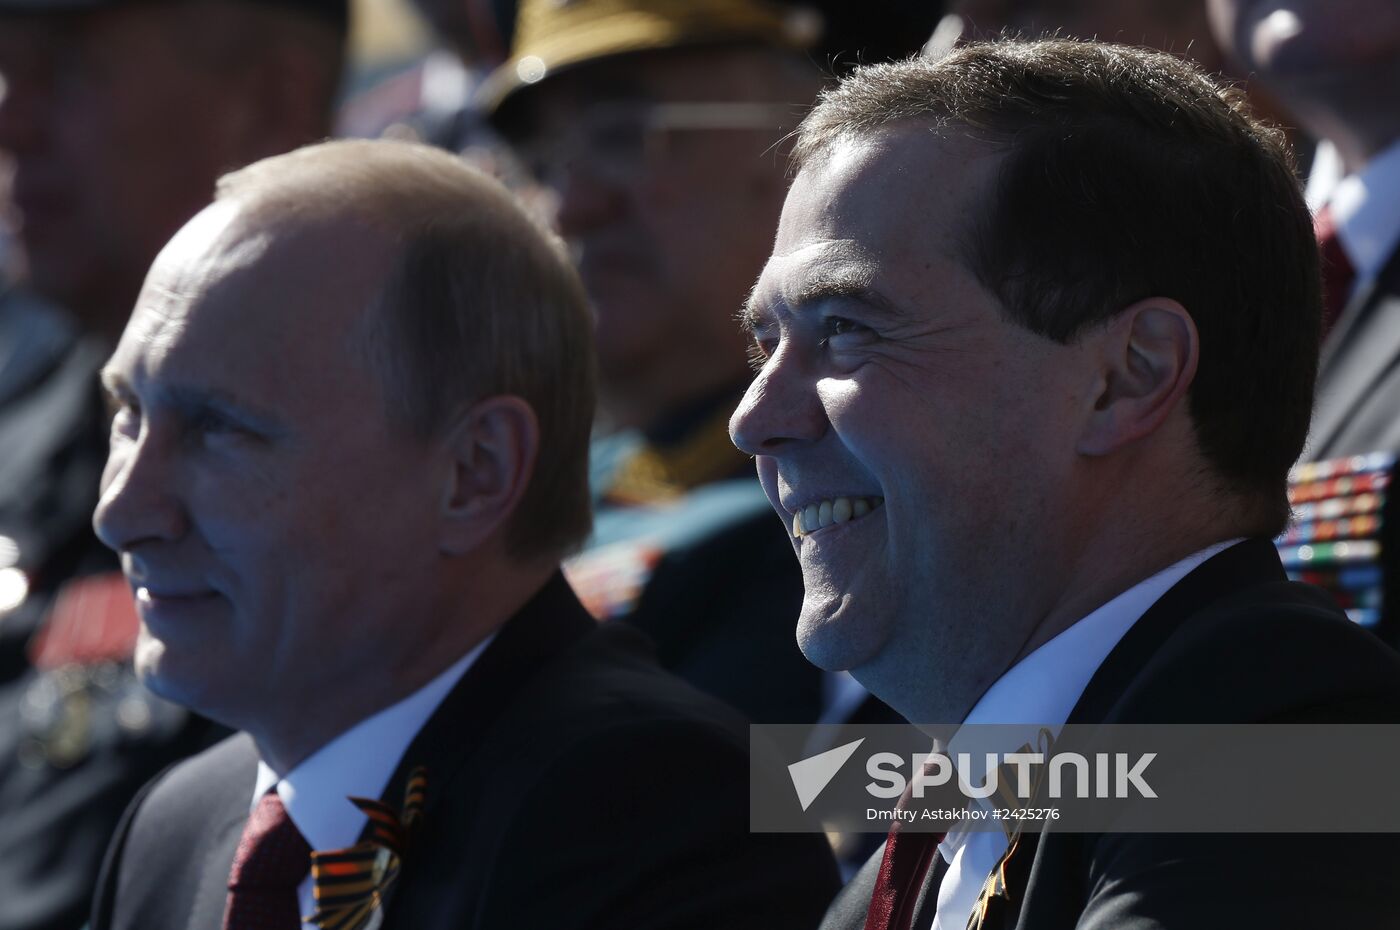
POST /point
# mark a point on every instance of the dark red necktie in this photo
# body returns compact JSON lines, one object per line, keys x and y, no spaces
{"x":902,"y":873}
{"x":271,"y":861}
{"x":1337,"y":271}
{"x":903,"y":869}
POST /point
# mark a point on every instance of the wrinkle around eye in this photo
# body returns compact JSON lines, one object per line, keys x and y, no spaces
{"x":850,"y":350}
{"x":850,"y":341}
{"x":904,"y":365}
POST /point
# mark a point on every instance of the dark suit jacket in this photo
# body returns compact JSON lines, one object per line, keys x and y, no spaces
{"x":1232,"y":642}
{"x":1358,"y":390}
{"x":571,"y":784}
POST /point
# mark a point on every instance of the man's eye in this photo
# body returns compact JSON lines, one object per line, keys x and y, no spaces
{"x":840,"y":326}
{"x":211,"y":423}
{"x":207,"y":422}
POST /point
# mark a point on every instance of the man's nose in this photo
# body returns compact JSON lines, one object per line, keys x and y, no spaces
{"x":139,"y":501}
{"x":780,"y":410}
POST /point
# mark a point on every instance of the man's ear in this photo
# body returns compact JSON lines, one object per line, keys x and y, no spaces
{"x":1148,"y":355}
{"x":491,"y":449}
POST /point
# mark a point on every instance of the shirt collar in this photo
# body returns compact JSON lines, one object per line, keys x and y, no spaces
{"x":1044,"y":686}
{"x":1363,"y":205}
{"x":357,"y":763}
{"x":1042,"y":689}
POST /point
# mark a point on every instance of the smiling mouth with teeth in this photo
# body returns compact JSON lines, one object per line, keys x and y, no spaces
{"x":821,"y":514}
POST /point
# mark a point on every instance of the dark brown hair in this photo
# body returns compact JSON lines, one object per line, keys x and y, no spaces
{"x":1129,"y":174}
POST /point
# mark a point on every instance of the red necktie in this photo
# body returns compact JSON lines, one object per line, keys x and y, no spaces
{"x":1337,"y":271}
{"x":271,"y":861}
{"x":902,"y":872}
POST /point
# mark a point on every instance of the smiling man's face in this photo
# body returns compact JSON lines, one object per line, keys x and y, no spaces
{"x":890,"y":377}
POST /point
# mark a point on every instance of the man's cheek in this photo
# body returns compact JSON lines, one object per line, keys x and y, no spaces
{"x":767,"y":468}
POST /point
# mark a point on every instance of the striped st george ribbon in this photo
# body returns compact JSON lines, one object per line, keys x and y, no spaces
{"x":350,"y":884}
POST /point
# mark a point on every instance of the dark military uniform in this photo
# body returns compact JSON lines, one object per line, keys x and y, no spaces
{"x":52,"y":445}
{"x":78,"y":733}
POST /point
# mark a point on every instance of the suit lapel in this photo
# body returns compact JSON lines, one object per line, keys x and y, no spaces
{"x":1363,"y":347}
{"x":1252,"y":562}
{"x":545,"y":627}
{"x":214,"y":859}
{"x":212,"y":893}
{"x":1249,"y":563}
{"x":1001,"y":912}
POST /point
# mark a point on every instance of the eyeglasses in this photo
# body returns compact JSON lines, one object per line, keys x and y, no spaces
{"x":621,"y":142}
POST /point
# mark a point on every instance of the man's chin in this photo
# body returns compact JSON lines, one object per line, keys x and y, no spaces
{"x":154,"y":669}
{"x":160,"y":670}
{"x":834,"y":639}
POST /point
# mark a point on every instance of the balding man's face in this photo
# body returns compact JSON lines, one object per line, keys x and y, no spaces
{"x":268,"y":518}
{"x":117,"y":134}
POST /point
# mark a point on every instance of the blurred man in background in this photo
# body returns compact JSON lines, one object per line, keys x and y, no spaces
{"x":433,"y":98}
{"x":1181,"y":27}
{"x":1176,"y":26}
{"x":657,"y":127}
{"x":118,"y":116}
{"x":32,"y":333}
{"x":119,"y":113}
{"x":1336,"y":65}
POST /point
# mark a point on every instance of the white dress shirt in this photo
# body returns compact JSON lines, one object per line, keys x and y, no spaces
{"x":357,"y":763}
{"x":1365,"y":207}
{"x":1042,"y":689}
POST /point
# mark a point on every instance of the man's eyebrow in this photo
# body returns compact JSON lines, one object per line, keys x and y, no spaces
{"x":193,"y":398}
{"x":832,"y":280}
{"x":187,"y":399}
{"x":840,"y":280}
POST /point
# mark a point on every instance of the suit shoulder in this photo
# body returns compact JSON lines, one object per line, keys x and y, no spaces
{"x":656,"y":777}
{"x":154,"y":874}
{"x":228,"y":768}
{"x":1280,"y":651}
{"x":179,"y":806}
{"x":610,"y":679}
